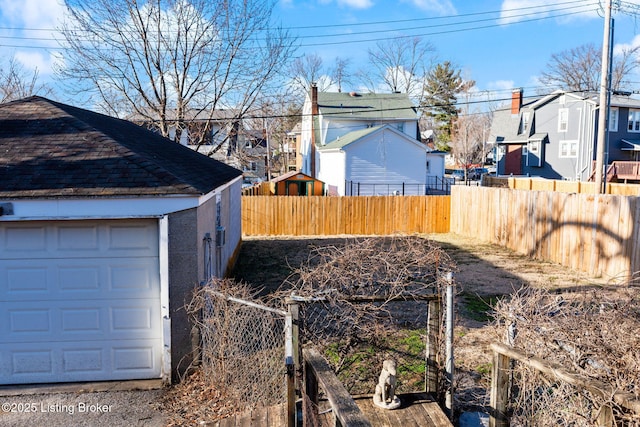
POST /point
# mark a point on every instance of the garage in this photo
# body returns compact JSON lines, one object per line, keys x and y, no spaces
{"x":105,"y":230}
{"x":79,"y":301}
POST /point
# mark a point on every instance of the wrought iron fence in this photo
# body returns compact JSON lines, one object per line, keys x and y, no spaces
{"x":433,"y":186}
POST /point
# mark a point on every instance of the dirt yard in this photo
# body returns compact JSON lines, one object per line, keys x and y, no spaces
{"x":484,"y":272}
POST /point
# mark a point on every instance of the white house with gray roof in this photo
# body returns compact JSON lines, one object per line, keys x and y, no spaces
{"x":366,"y":144}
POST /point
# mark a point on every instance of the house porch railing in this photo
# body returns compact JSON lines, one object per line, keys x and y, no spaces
{"x":433,"y":186}
{"x":620,"y":171}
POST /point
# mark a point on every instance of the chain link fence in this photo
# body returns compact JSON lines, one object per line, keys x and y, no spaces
{"x":243,"y":346}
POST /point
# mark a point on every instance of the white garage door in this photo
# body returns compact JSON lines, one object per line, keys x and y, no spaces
{"x":79,"y":301}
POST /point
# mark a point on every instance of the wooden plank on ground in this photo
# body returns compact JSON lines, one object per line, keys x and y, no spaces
{"x":417,"y":409}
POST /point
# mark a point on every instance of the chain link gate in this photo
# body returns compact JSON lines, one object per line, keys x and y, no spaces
{"x":247,"y":348}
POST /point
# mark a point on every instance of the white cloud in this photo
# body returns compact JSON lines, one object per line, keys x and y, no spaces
{"x":34,"y":60}
{"x":32,"y":13}
{"x":619,"y":48}
{"x":499,"y":85}
{"x":518,"y":10}
{"x":356,"y":4}
{"x":39,"y":18}
{"x":441,"y":7}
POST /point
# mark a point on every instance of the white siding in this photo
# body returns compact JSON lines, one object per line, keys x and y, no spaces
{"x":387,"y":158}
{"x":331,"y":171}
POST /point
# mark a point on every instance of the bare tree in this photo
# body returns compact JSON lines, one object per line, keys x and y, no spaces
{"x":307,"y":70}
{"x":400,"y":64}
{"x":167,"y":62}
{"x":275,"y":117}
{"x":340,"y":74}
{"x":578,"y":69}
{"x":470,"y":130}
{"x":16,"y":82}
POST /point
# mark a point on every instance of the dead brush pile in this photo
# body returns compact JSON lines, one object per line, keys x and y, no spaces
{"x":362,"y":298}
{"x":592,"y":333}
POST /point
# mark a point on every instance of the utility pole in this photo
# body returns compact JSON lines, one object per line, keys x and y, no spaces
{"x":604,"y":98}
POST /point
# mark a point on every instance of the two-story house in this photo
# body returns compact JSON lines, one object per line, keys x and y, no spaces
{"x":554,"y":136}
{"x":365,"y":144}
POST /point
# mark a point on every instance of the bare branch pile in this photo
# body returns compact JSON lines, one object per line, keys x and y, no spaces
{"x":592,"y":333}
{"x":359,"y":295}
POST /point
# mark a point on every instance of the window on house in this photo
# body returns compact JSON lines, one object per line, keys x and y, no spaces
{"x":568,"y":149}
{"x":634,"y":121}
{"x":563,"y":119}
{"x":251,"y":166}
{"x":400,"y":127}
{"x":613,"y":119}
{"x":525,"y":122}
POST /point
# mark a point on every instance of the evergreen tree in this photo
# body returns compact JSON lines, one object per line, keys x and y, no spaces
{"x":441,"y":86}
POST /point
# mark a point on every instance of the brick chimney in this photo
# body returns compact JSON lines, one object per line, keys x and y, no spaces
{"x":516,"y":101}
{"x":314,"y":114}
{"x":314,"y":99}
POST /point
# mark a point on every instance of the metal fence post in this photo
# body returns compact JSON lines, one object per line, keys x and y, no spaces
{"x":434,"y":320}
{"x":290,"y":369}
{"x":449,"y":365}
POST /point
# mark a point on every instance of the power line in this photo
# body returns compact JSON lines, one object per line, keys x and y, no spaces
{"x":546,"y":12}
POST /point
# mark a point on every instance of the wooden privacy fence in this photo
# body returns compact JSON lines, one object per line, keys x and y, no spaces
{"x":595,"y":234}
{"x":356,"y":215}
{"x":541,"y":184}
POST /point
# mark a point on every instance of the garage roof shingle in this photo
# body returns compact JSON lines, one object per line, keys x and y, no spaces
{"x":49,"y":149}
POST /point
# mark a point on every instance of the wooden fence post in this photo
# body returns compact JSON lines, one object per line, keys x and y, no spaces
{"x":499,"y":391}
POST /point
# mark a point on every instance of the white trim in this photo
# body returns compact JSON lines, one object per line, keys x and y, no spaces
{"x":614,"y":118}
{"x":218,"y":190}
{"x":163,"y":236}
{"x":569,"y":143}
{"x":39,"y":209}
{"x":107,"y":208}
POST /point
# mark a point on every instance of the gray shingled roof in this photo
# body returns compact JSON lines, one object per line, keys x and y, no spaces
{"x":49,"y":149}
{"x":366,"y":105}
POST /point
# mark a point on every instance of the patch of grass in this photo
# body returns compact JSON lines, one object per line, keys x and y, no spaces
{"x":479,"y":308}
{"x":360,"y":366}
{"x":484,"y":369}
{"x":412,"y":341}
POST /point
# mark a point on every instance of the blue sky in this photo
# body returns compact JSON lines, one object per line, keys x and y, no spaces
{"x":500,"y":44}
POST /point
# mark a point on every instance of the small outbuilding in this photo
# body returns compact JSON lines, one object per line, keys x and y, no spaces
{"x":105,"y":229}
{"x":297,"y":184}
